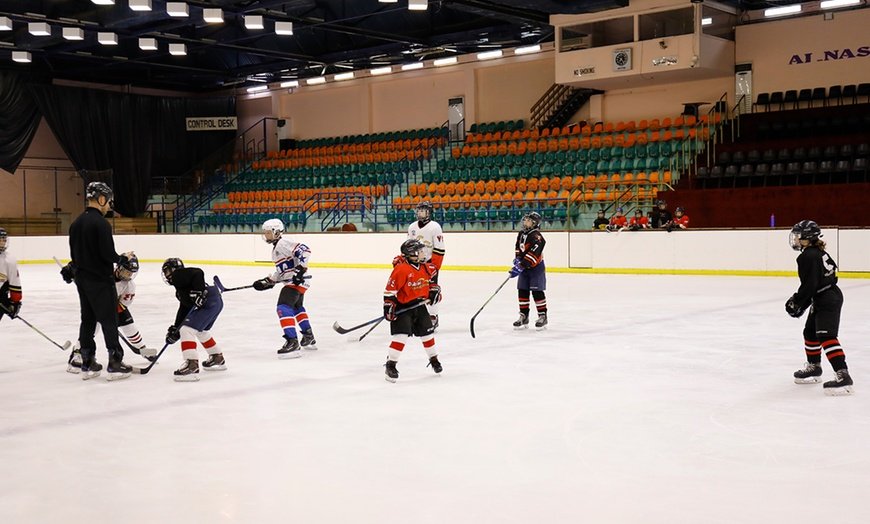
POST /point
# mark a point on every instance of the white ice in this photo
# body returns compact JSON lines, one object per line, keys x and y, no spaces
{"x":653,"y":399}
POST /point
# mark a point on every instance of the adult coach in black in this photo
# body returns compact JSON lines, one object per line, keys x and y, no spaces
{"x":92,"y":250}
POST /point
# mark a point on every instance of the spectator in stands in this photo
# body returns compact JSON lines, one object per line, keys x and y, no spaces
{"x":661,"y":216}
{"x":680,"y":220}
{"x":617,"y":221}
{"x":638,"y":221}
{"x":600,"y":222}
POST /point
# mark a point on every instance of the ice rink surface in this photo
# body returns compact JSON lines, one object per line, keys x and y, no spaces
{"x":650,"y":399}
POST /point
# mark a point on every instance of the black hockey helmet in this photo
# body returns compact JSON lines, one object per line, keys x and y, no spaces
{"x":95,"y":190}
{"x":638,"y":212}
{"x":411,"y":248}
{"x":679,"y":210}
{"x":424,"y":211}
{"x":4,"y":239}
{"x":534,"y":217}
{"x":661,"y":203}
{"x":601,"y":212}
{"x":169,"y":267}
{"x":804,"y":230}
{"x":128,"y":269}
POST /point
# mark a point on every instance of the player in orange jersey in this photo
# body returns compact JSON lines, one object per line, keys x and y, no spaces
{"x":410,"y":288}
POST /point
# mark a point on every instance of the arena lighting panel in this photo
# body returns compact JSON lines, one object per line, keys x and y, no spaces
{"x":213,"y":16}
{"x":39,"y":29}
{"x":782,"y":11}
{"x":257,"y":89}
{"x":418,"y":5}
{"x":283,"y":28}
{"x":22,"y":57}
{"x":73,"y":33}
{"x":445,"y":61}
{"x":527,"y":50}
{"x":290,"y":83}
{"x":388,"y":1}
{"x":489,"y":55}
{"x":179,"y":9}
{"x":176,"y":49}
{"x":343,"y":76}
{"x":254,"y":22}
{"x":833,"y":4}
{"x":381,"y":71}
{"x":104,"y":2}
{"x":107,"y":38}
{"x":316,"y":80}
{"x":707,"y":21}
{"x":148,"y":44}
{"x":412,"y":66}
{"x":140,"y":5}
{"x":5,"y":23}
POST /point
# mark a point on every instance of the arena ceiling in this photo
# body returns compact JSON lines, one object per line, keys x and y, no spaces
{"x":329,"y":36}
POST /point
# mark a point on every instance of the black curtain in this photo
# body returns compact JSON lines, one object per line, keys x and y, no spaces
{"x":19,"y":118}
{"x":138,"y":137}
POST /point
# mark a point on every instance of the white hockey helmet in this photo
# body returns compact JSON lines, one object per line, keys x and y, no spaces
{"x":272,"y":230}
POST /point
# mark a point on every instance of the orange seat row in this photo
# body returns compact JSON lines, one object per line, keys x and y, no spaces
{"x":303,"y":194}
{"x":365,"y":147}
{"x":587,"y":130}
{"x":339,"y":160}
{"x":486,"y":200}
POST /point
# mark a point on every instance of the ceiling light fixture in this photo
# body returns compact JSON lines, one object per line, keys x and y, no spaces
{"x":833,"y":4}
{"x":177,"y":49}
{"x":343,"y":76}
{"x":148,"y":44}
{"x":73,"y":33}
{"x":104,"y":2}
{"x":39,"y":29}
{"x":412,"y":66}
{"x":107,"y":38}
{"x":381,"y":71}
{"x":782,"y":11}
{"x":529,"y":49}
{"x":283,"y":28}
{"x":489,"y":55}
{"x":316,"y":80}
{"x":22,"y":57}
{"x":388,"y":1}
{"x":257,"y":89}
{"x":707,"y":21}
{"x":418,"y":5}
{"x":213,"y":16}
{"x":290,"y":83}
{"x":179,"y":9}
{"x":445,"y":61}
{"x":140,"y":5}
{"x":254,"y":22}
{"x":5,"y":23}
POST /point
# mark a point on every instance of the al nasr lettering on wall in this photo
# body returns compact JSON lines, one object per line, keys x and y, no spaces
{"x":219,"y":123}
{"x":830,"y":54}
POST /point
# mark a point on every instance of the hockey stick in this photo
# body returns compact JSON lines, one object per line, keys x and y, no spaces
{"x":342,"y":331}
{"x":218,"y":284}
{"x":487,"y":302}
{"x":66,"y":345}
{"x":133,"y":348}
{"x":145,"y":370}
{"x":376,"y":324}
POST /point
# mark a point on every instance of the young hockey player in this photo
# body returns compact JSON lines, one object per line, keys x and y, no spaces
{"x":680,"y":220}
{"x":617,"y":221}
{"x":291,"y":263}
{"x":429,"y":233}
{"x":198,"y":308}
{"x":818,"y":292}
{"x":126,"y":288}
{"x":638,"y":221}
{"x":601,"y":221}
{"x":529,"y":267}
{"x":10,"y":282}
{"x":410,"y":287}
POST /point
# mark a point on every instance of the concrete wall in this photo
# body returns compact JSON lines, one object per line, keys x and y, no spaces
{"x":762,"y":251}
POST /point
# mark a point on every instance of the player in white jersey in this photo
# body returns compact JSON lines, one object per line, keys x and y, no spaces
{"x":10,"y":282}
{"x":126,"y":290}
{"x":429,"y":233}
{"x":291,"y":263}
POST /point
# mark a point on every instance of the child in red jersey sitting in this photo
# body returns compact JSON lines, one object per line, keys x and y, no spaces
{"x":638,"y":221}
{"x":411,"y":286}
{"x":680,"y":220}
{"x":617,"y":221}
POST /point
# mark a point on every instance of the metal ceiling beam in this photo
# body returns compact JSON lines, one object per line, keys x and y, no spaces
{"x":499,"y":11}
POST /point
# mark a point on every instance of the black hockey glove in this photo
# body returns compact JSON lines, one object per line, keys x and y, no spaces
{"x":299,"y":276}
{"x":792,"y":308}
{"x":173,"y":335}
{"x":198,"y":297}
{"x":14,"y":308}
{"x":434,"y":293}
{"x":68,"y":272}
{"x":263,"y":284}
{"x":389,"y":310}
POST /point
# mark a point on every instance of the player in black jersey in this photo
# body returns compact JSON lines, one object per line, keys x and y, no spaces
{"x":198,"y":308}
{"x":529,"y":267}
{"x":818,"y":292}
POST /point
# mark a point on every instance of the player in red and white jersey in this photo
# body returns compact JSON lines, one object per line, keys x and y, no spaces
{"x":638,"y":221}
{"x":410,"y":288}
{"x":617,"y":221}
{"x":680,"y":220}
{"x":429,"y":233}
{"x":291,"y":263}
{"x":10,"y":281}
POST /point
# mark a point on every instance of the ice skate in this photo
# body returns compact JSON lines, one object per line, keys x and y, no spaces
{"x":74,"y":364}
{"x":215,"y":362}
{"x":841,"y":385}
{"x":91,"y":370}
{"x":188,"y":372}
{"x":308,"y":341}
{"x":541,"y":323}
{"x":117,"y":370}
{"x":436,"y":365}
{"x":392,"y":374}
{"x":809,"y":374}
{"x":290,"y":349}
{"x":522,"y":322}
